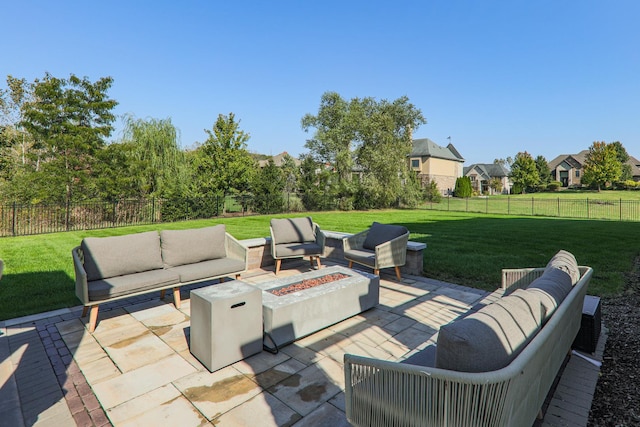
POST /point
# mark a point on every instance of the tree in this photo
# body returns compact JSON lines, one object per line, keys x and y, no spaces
{"x":524,"y":172}
{"x":69,"y":120}
{"x":463,"y":187}
{"x":544,"y":173}
{"x":268,"y":186}
{"x":496,"y":184}
{"x":504,"y":162}
{"x":157,"y":164}
{"x":623,"y":157}
{"x":601,"y":165}
{"x":223,"y":164}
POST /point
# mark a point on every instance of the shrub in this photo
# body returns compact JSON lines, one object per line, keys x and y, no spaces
{"x":431,"y":192}
{"x":463,"y":187}
{"x":554,"y":185}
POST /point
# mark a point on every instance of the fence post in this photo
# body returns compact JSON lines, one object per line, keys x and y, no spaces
{"x":13,"y":220}
{"x":486,"y":209}
{"x":532,"y":205}
{"x":66,"y":220}
{"x":114,"y":212}
{"x":558,"y":206}
{"x":508,"y":205}
{"x":153,"y":210}
{"x":620,"y":209}
{"x":588,"y":214}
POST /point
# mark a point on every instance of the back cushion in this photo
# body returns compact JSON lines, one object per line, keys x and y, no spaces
{"x":553,"y":287}
{"x":106,"y":257}
{"x":381,"y":233}
{"x":492,"y":337}
{"x":567,"y":262}
{"x":181,"y":247}
{"x":292,"y":230}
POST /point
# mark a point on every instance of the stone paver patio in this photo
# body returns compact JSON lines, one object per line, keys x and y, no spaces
{"x":137,"y":370}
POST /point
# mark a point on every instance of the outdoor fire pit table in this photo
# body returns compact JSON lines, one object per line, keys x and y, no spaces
{"x":226,"y":323}
{"x":310,"y":308}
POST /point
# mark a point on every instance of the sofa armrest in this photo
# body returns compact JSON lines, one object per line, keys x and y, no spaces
{"x":236,"y":250}
{"x":82,"y":286}
{"x":355,"y":241}
{"x":392,"y":253}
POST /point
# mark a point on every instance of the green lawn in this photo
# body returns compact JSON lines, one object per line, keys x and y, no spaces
{"x":465,"y":248}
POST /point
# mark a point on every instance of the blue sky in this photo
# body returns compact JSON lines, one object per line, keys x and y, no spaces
{"x":498,"y":77}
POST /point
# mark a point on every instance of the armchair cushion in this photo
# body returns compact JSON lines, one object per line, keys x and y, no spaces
{"x":381,"y":233}
{"x":565,"y":261}
{"x":289,"y":250}
{"x":180,"y":247}
{"x":292,"y":230}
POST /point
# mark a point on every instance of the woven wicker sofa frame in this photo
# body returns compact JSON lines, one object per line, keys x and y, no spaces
{"x":384,"y":393}
{"x":234,"y":249}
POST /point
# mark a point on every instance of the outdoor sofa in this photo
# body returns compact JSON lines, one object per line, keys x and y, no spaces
{"x":112,"y":268}
{"x":493,"y":367}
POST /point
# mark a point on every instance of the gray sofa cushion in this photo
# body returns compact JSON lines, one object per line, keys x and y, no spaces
{"x":113,"y":287}
{"x":211,"y":268}
{"x":292,"y":230}
{"x":106,"y":257}
{"x":553,"y":287}
{"x":297,"y":249}
{"x":181,"y":247}
{"x":381,"y":233}
{"x":565,"y":261}
{"x":492,"y":337}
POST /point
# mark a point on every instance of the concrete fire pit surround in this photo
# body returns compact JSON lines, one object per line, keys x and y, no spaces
{"x":290,"y":317}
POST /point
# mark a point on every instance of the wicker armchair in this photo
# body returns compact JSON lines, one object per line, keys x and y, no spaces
{"x":296,"y":238}
{"x":381,"y":246}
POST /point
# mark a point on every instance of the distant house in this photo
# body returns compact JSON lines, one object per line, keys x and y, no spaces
{"x":432,"y":162}
{"x":278,"y":159}
{"x":481,"y":175}
{"x":567,"y":168}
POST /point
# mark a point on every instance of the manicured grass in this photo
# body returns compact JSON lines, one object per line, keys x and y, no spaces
{"x":464,"y":248}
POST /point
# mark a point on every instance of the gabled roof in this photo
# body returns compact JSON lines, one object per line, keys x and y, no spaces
{"x":488,"y":170}
{"x":427,"y":148}
{"x":277,"y":160}
{"x":574,"y":160}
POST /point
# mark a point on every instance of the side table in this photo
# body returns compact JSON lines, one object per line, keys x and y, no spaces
{"x":226,"y":323}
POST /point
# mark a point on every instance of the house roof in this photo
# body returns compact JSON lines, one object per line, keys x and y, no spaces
{"x":427,"y":148}
{"x":577,"y":160}
{"x":277,"y":160}
{"x":488,"y":170}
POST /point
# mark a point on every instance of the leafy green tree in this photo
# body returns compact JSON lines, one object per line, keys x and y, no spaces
{"x":431,"y":192}
{"x":222,"y":163}
{"x":463,"y":187}
{"x":69,"y":120}
{"x":504,"y":162}
{"x":623,"y":157}
{"x":524,"y":172}
{"x":268,"y":186}
{"x":496,"y":185}
{"x":315,"y":185}
{"x":544,"y":173}
{"x":291,"y":173}
{"x":601,"y":165}
{"x":157,"y":164}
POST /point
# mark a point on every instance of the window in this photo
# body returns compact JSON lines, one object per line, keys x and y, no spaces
{"x":415,"y":163}
{"x":577,"y":173}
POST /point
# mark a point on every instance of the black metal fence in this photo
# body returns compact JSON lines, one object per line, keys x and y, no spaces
{"x":29,"y":219}
{"x":617,"y":210}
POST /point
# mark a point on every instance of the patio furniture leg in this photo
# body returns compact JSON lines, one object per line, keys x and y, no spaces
{"x":176,"y":297}
{"x":311,"y":261}
{"x":162,"y":293}
{"x":278,"y":261}
{"x":318,"y":262}
{"x":93,"y":318}
{"x":350,"y":264}
{"x":84,"y":310}
{"x":376,"y":272}
{"x":238,"y":276}
{"x":221,"y":280}
{"x":398,"y":274}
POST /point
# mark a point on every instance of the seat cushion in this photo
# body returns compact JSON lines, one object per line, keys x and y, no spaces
{"x":208,"y":269}
{"x":492,"y":337}
{"x":381,"y":233}
{"x":117,"y":286}
{"x":289,"y":250}
{"x":361,"y":256}
{"x":113,"y":256}
{"x":193,"y":245}
{"x":292,"y":230}
{"x":565,"y":261}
